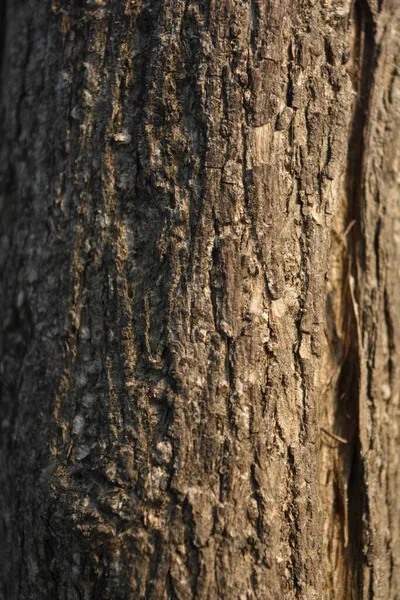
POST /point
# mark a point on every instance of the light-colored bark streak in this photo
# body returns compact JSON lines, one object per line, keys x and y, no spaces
{"x":200,"y":228}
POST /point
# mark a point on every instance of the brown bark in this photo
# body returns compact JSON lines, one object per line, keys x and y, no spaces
{"x":200,"y":235}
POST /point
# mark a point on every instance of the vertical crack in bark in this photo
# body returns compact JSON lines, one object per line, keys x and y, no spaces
{"x":357,"y":487}
{"x":345,"y":471}
{"x":3,"y":14}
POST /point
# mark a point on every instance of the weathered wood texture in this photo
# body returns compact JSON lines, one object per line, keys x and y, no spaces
{"x":200,"y":249}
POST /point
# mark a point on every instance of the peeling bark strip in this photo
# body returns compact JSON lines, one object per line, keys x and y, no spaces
{"x":200,"y":233}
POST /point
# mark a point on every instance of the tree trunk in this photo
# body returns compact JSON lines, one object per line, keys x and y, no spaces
{"x":200,"y":240}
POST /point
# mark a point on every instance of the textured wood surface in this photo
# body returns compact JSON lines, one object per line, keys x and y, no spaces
{"x":200,"y":249}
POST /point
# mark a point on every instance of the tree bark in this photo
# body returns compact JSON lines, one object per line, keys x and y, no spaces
{"x":200,"y":233}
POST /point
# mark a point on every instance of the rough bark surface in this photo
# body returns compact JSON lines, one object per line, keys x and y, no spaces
{"x":200,"y":240}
